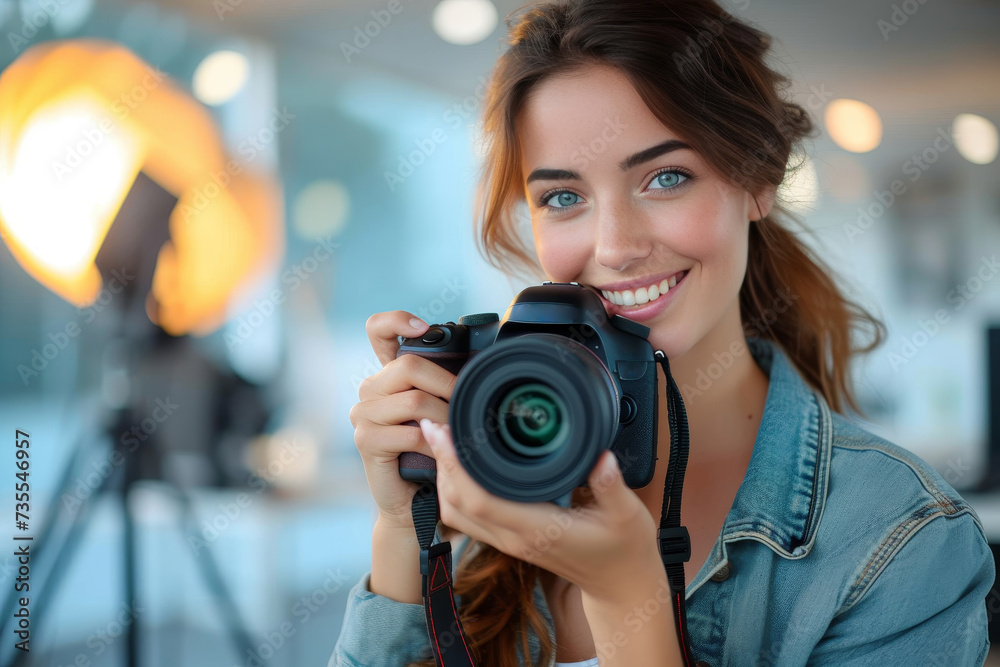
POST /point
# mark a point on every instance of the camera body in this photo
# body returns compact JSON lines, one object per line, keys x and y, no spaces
{"x":542,"y":392}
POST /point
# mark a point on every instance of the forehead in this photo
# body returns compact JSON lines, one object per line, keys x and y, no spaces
{"x":595,"y":108}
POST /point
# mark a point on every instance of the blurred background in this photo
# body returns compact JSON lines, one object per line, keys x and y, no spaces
{"x":273,"y":173}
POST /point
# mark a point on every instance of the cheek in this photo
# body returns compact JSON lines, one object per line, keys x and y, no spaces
{"x":709,"y":232}
{"x":563,"y":252}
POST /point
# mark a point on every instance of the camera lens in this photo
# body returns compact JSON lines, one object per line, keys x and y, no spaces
{"x":532,"y":420}
{"x":531,"y":415}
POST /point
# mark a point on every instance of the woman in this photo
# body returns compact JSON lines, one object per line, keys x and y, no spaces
{"x":648,"y":139}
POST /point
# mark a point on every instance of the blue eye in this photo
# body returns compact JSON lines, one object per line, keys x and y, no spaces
{"x":563,"y":199}
{"x":669,"y":179}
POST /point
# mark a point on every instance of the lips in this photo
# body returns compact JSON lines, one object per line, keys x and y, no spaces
{"x":648,"y":310}
{"x":643,"y":293}
{"x":633,"y":285}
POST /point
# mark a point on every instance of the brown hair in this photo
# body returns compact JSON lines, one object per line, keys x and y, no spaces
{"x":702,"y":73}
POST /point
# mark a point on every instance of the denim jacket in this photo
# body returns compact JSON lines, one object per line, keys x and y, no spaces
{"x":840,"y":548}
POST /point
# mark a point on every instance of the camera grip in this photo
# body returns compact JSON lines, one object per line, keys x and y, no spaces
{"x":415,"y":467}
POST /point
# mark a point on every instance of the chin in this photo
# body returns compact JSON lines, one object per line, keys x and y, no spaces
{"x":674,"y":343}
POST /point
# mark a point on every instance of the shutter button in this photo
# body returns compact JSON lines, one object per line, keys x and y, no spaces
{"x":723,"y":573}
{"x":432,"y":336}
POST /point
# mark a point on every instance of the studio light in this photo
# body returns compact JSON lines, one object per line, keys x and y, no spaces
{"x":79,"y":121}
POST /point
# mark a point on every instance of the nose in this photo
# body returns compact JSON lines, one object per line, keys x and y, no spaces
{"x":622,"y":237}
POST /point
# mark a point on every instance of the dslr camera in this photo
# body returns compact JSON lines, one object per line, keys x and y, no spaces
{"x":542,"y":392}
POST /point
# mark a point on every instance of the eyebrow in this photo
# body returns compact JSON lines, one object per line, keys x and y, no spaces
{"x":645,"y":155}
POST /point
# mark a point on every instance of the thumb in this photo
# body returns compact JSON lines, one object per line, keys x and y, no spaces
{"x":606,"y":481}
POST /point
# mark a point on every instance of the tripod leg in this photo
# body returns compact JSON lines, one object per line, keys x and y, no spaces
{"x":213,"y":579}
{"x":129,"y":548}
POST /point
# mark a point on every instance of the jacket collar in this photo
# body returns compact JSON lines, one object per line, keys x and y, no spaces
{"x":781,"y":498}
{"x":780,"y":501}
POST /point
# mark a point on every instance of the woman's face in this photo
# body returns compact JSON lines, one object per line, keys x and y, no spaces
{"x":620,"y":203}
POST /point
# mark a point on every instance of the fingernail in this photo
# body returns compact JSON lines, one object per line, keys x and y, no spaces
{"x":430,"y":430}
{"x":612,"y":465}
{"x":418,"y":324}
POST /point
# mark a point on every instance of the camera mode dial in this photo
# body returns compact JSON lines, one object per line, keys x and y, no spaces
{"x":478,"y":318}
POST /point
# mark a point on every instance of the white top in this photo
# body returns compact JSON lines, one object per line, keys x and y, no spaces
{"x":586,"y":663}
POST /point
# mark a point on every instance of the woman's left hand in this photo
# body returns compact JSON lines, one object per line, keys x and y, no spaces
{"x":606,"y":546}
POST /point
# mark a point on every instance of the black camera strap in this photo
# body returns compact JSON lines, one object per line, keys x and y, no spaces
{"x":450,"y":645}
{"x":448,"y":639}
{"x":675,"y":543}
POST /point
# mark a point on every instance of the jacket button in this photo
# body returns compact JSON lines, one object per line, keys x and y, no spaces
{"x":723,"y":573}
{"x":701,"y":663}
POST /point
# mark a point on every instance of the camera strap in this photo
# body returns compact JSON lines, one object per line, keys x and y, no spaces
{"x":448,"y":639}
{"x":675,"y":543}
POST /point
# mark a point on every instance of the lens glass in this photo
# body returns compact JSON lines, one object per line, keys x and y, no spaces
{"x":532,"y":420}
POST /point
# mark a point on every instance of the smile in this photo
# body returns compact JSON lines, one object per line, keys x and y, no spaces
{"x":643,"y":295}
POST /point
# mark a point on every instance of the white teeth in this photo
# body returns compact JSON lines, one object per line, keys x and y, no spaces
{"x":642,"y":295}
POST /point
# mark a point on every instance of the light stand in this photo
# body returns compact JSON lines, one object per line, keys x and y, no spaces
{"x":131,"y":247}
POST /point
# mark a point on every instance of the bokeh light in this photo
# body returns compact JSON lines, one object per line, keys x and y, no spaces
{"x":853,"y":125}
{"x":464,"y":21}
{"x":975,"y":138}
{"x":220,"y":76}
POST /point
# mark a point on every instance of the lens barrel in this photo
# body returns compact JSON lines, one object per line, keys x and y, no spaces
{"x":530,"y":416}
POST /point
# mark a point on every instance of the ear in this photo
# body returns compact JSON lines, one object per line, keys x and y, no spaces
{"x":759,"y":204}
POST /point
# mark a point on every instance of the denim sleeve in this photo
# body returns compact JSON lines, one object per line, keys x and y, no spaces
{"x":380,"y":632}
{"x":927,"y":606}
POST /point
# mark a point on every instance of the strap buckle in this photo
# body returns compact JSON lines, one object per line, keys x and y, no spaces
{"x":675,"y":545}
{"x":431,"y":553}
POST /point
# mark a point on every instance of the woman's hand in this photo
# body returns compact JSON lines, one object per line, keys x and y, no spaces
{"x":606,"y":546}
{"x":407,"y":388}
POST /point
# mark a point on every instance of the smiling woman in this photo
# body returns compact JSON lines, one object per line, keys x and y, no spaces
{"x":648,"y":139}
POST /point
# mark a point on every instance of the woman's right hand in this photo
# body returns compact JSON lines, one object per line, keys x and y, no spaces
{"x":408,"y":388}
